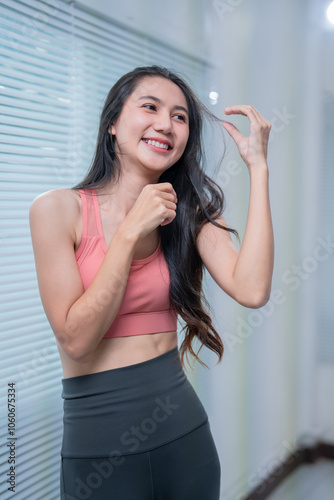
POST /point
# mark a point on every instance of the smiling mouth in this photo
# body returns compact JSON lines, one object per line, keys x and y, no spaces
{"x":158,"y":145}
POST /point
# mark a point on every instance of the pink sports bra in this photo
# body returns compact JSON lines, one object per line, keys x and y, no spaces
{"x":145,"y":307}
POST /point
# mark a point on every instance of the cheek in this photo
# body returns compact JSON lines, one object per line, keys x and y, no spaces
{"x":142,"y":120}
{"x":136,"y":125}
{"x":127,"y":130}
{"x":182,"y":148}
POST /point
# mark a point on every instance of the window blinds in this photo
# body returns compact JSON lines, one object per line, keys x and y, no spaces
{"x":57,"y":64}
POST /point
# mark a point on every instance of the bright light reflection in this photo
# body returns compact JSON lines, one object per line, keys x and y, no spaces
{"x":213,"y":96}
{"x":330,"y":13}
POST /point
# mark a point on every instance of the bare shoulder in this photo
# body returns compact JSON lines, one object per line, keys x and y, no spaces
{"x":58,"y":204}
{"x":57,"y":200}
{"x":56,"y":212}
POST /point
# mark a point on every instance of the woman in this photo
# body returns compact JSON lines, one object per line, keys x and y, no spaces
{"x":118,"y":257}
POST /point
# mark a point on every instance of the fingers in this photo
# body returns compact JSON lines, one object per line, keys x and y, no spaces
{"x":167,"y":189}
{"x":168,"y":196}
{"x":249,"y":111}
{"x":162,"y":201}
{"x":242,"y":109}
{"x":258,"y":124}
{"x":170,"y":209}
{"x":233,"y":131}
{"x":168,"y":220}
{"x":252,"y":148}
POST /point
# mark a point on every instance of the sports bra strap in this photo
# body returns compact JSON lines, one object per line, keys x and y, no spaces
{"x":90,"y":213}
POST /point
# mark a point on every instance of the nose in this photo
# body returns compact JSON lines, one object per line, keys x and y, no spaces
{"x":163,"y":123}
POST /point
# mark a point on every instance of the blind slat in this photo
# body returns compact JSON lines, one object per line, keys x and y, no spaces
{"x":30,"y":110}
{"x":29,"y":127}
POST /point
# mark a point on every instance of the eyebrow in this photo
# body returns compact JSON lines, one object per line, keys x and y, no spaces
{"x":159,"y":101}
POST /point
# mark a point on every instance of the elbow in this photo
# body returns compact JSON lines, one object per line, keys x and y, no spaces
{"x":259,"y":301}
{"x":256,"y":299}
{"x":78,"y":353}
{"x":74,"y":348}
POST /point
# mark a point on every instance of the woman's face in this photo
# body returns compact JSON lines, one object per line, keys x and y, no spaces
{"x":153,"y":128}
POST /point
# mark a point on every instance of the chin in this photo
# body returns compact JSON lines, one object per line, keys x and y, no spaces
{"x":157,"y":166}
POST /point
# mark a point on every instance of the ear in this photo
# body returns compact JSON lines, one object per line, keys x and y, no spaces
{"x":112,"y":129}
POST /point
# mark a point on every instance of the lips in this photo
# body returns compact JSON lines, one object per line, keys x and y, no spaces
{"x":158,"y":143}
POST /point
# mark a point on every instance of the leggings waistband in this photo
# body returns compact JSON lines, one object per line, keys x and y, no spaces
{"x":129,"y":410}
{"x":164,"y":367}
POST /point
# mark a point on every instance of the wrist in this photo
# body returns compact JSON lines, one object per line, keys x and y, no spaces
{"x":130,"y":235}
{"x":260,"y":168}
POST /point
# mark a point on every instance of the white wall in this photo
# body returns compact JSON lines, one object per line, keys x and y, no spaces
{"x":272,"y":389}
{"x":324,"y":382}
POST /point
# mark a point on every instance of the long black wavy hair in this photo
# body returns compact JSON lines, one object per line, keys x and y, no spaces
{"x":200,"y":200}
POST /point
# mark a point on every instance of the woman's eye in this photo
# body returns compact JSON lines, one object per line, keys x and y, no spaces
{"x":150,"y":106}
{"x":180,"y":117}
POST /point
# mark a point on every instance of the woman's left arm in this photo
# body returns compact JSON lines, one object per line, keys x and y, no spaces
{"x":245,"y":275}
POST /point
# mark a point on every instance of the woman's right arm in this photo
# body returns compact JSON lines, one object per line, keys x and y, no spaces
{"x":80,"y":318}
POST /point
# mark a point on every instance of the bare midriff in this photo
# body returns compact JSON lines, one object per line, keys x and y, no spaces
{"x":117,"y":352}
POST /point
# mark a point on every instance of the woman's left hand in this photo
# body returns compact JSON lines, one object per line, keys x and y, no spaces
{"x":252,"y":149}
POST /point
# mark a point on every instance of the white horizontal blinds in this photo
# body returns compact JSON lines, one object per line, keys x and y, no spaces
{"x":103,"y":53}
{"x":35,"y":139}
{"x":35,"y":90}
{"x":325,"y":309}
{"x":57,"y":64}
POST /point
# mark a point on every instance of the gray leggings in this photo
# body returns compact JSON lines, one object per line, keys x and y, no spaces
{"x":137,"y":433}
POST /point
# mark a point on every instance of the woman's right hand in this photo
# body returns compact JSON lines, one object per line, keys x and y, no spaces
{"x":156,"y":205}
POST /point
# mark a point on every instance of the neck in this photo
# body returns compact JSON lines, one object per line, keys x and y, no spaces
{"x":123,"y":194}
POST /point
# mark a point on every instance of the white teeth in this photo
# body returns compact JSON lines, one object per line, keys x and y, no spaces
{"x":157,"y":144}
